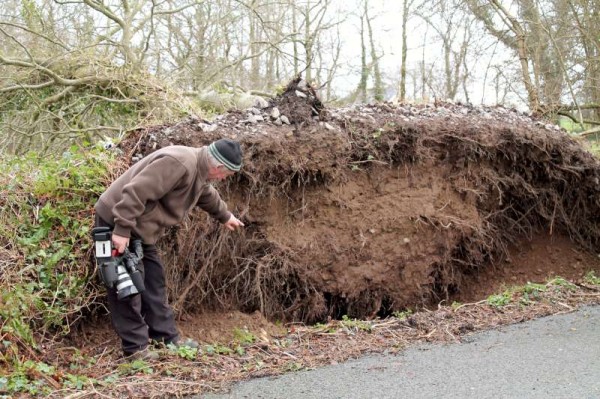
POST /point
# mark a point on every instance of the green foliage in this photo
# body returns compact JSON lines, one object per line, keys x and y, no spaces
{"x":402,"y":315}
{"x":284,"y":342}
{"x":569,"y":125}
{"x":243,"y":336}
{"x":561,"y":283}
{"x":356,"y":324}
{"x":78,"y":381}
{"x":591,"y":278}
{"x":240,"y":350}
{"x":217,"y":349}
{"x":532,"y":288}
{"x":499,"y":300}
{"x":27,"y":377}
{"x":186,"y":352}
{"x":530,"y":292}
{"x":135,"y":367}
{"x":328,"y":328}
{"x":45,"y":218}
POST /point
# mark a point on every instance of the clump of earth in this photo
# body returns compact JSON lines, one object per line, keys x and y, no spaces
{"x":371,"y":209}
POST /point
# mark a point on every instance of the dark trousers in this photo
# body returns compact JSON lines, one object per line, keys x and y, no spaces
{"x":145,"y":316}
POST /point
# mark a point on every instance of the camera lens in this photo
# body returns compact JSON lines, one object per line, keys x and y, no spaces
{"x":125,"y":287}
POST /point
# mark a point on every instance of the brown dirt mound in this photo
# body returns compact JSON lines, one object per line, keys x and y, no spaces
{"x":370,"y":209}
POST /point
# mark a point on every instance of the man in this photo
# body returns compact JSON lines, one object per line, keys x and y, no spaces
{"x":155,"y":193}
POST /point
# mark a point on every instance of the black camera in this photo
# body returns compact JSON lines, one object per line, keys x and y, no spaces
{"x":119,"y":272}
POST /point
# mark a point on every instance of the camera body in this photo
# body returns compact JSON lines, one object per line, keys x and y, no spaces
{"x":119,"y":272}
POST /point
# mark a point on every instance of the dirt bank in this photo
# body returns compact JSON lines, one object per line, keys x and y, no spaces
{"x":361,"y":211}
{"x":370,"y":209}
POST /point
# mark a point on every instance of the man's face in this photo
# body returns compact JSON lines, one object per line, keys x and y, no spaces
{"x":219,"y":173}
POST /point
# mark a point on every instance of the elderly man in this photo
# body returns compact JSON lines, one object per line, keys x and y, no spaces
{"x":155,"y":193}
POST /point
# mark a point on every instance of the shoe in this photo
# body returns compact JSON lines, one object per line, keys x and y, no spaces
{"x":144,"y":354}
{"x":190,"y":343}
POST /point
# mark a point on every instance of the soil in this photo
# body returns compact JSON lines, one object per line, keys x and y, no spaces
{"x":532,"y":261}
{"x":371,"y":210}
{"x":538,"y":260}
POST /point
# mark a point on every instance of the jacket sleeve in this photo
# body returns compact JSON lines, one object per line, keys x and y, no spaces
{"x":150,"y":184}
{"x":211,"y":202}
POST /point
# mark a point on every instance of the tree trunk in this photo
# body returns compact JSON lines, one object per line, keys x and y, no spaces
{"x":402,"y":85}
{"x":378,"y":90}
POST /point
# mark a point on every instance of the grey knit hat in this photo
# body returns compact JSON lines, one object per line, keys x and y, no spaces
{"x":228,"y":152}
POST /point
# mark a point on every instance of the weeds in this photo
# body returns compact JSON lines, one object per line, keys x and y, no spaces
{"x":560,"y":283}
{"x":217,"y":349}
{"x":185,"y":352}
{"x":355,"y":324}
{"x":591,"y":278}
{"x":78,"y":381}
{"x":402,"y":315}
{"x":531,"y":292}
{"x":243,"y":336}
{"x":45,"y":219}
{"x":28,"y":377}
{"x":135,"y":367}
{"x":499,"y":300}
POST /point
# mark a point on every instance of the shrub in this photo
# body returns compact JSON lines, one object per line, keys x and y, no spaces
{"x":45,"y":220}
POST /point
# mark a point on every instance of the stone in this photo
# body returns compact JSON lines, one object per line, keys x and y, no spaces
{"x":275,"y":114}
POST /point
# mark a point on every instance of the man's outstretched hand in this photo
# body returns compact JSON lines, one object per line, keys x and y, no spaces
{"x":233,"y":223}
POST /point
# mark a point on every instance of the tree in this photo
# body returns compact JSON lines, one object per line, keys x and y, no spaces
{"x":512,"y":33}
{"x":585,"y":16}
{"x":559,"y":70}
{"x":406,"y":6}
{"x":378,"y":94}
{"x":368,"y":69}
{"x":452,"y":27}
{"x":72,"y":63}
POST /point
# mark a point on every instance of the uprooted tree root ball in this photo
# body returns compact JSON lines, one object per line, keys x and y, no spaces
{"x":366,"y":210}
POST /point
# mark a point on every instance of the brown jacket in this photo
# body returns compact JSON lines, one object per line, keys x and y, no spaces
{"x":158,"y":192}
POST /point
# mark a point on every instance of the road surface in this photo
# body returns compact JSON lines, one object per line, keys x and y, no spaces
{"x":552,"y":357}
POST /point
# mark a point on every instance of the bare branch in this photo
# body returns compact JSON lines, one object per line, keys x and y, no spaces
{"x":589,"y":132}
{"x":18,"y":43}
{"x":177,"y":10}
{"x":35,"y":33}
{"x":27,"y":87}
{"x":578,"y":121}
{"x":57,"y":97}
{"x":105,"y":11}
{"x":50,"y":73}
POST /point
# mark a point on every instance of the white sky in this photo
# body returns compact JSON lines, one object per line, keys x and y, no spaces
{"x":387,"y":26}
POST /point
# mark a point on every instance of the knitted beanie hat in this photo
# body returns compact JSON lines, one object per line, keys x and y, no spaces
{"x":228,"y":152}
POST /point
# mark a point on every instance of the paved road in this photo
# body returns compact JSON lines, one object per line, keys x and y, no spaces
{"x":551,"y":357}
